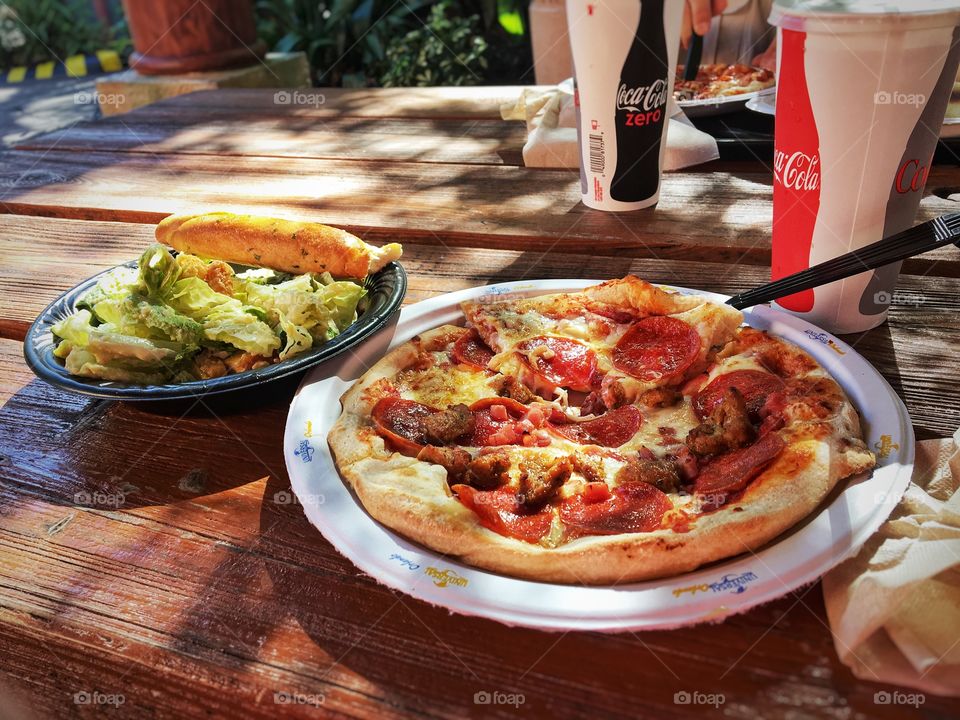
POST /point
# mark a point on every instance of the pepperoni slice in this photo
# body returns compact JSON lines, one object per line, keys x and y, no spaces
{"x":500,"y":511}
{"x":733,"y":471}
{"x":564,"y":362}
{"x":469,"y":349}
{"x":657,"y":348}
{"x":632,"y":507}
{"x":612,"y":429}
{"x":754,"y":385}
{"x":399,"y":422}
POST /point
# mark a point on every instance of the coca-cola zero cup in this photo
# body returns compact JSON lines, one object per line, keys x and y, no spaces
{"x":625,"y":57}
{"x":862,"y":89}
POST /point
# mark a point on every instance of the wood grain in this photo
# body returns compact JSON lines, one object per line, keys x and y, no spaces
{"x":150,"y":551}
{"x":249,"y":133}
{"x":172,"y":570}
{"x":709,"y":215}
{"x":46,"y":257}
{"x":14,"y":373}
{"x":433,"y":102}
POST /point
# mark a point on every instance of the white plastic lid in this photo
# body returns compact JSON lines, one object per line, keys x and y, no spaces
{"x":868,"y":7}
{"x":863,"y":15}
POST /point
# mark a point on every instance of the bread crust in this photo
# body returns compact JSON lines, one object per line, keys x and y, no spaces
{"x":413,"y":497}
{"x":286,"y":245}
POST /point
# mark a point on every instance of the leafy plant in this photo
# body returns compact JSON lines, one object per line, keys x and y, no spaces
{"x":344,"y":40}
{"x":33,"y":31}
{"x":445,"y":51}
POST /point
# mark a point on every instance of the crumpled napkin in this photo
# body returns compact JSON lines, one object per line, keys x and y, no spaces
{"x":551,"y":119}
{"x":894,"y":609}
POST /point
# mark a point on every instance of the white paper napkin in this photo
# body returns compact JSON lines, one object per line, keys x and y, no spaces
{"x":895,"y":608}
{"x":552,"y":131}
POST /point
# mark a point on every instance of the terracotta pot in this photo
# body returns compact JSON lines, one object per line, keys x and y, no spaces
{"x":178,"y":36}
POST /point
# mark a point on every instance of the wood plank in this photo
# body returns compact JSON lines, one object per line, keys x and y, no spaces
{"x":709,"y":215}
{"x":479,"y":141}
{"x":107,"y":599}
{"x":146,"y":551}
{"x":430,"y":102}
{"x":45,"y":257}
{"x":14,"y":373}
{"x":189,"y":588}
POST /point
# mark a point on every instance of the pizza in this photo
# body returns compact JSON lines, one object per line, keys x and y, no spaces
{"x":618,"y":433}
{"x":719,"y":80}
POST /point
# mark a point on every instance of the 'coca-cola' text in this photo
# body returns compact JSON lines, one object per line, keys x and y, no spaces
{"x":911,"y":177}
{"x":644,"y":98}
{"x":797,"y":170}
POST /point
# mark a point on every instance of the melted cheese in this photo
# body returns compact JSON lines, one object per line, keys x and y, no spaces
{"x":443,"y":385}
{"x":679,"y":417}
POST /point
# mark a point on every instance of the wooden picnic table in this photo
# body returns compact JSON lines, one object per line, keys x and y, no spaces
{"x":199,"y":595}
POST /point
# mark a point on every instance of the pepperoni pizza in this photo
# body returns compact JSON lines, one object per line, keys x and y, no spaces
{"x":719,"y":80}
{"x":614,"y":434}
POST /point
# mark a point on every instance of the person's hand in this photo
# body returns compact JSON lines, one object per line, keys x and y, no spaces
{"x":768,"y":58}
{"x":696,"y":17}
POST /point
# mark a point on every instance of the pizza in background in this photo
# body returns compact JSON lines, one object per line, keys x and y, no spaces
{"x":719,"y":80}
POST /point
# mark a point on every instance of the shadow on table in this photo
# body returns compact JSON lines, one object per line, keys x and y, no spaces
{"x":420,"y":658}
{"x":79,"y":451}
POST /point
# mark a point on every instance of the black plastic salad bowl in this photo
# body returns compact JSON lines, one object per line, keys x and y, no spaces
{"x":385,"y":292}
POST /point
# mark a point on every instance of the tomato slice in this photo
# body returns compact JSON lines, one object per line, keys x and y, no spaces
{"x":564,"y":362}
{"x":632,"y":507}
{"x":657,"y":348}
{"x":470,"y":350}
{"x":754,"y":385}
{"x":500,"y":511}
{"x":612,"y":429}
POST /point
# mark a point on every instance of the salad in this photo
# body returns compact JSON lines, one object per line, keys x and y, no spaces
{"x":183,"y":318}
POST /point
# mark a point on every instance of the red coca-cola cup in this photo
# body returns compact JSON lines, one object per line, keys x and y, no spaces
{"x":862,"y":90}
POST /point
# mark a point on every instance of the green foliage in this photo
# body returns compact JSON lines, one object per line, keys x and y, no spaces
{"x":445,"y":51}
{"x":346,"y":41}
{"x":33,"y":31}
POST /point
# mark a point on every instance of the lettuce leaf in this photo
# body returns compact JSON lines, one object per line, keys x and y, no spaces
{"x":158,"y":271}
{"x":85,"y":364}
{"x":101,"y":352}
{"x":223,"y":318}
{"x":137,"y":316}
{"x":303,"y":307}
{"x":115,"y":285}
